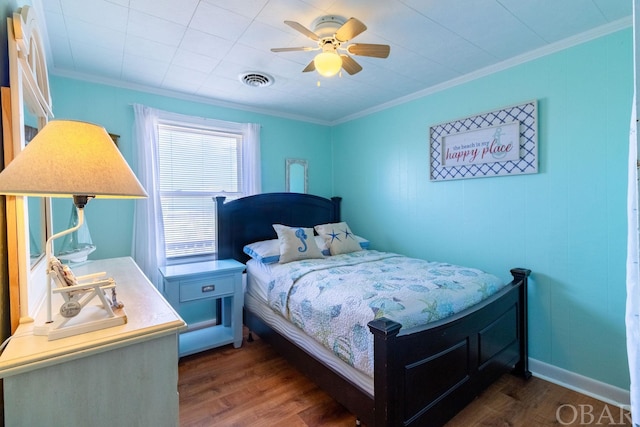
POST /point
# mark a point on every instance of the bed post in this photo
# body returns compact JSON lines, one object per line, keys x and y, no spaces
{"x":385,"y":384}
{"x":522,"y":367}
{"x":223,"y":239}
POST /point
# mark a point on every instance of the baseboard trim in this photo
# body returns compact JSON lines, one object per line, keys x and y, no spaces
{"x":576,"y":382}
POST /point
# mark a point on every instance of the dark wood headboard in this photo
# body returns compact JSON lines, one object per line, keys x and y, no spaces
{"x":250,"y":219}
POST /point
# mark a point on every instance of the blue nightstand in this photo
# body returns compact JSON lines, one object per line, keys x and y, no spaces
{"x":195,"y":290}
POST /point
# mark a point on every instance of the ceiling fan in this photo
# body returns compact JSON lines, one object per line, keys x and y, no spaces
{"x":331,"y":34}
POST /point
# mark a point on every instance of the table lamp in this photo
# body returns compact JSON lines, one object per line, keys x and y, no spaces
{"x":79,"y":160}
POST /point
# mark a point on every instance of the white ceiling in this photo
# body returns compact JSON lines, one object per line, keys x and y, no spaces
{"x":198,"y":48}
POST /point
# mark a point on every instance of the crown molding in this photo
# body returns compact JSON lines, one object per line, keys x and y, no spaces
{"x":569,"y":42}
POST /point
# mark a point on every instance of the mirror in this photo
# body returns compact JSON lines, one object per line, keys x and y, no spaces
{"x":28,"y":219}
{"x":36,"y":205}
{"x":296,"y":175}
{"x":36,"y":214}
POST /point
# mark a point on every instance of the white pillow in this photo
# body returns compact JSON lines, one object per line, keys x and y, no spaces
{"x":265,"y":251}
{"x":296,"y":243}
{"x":339,"y":238}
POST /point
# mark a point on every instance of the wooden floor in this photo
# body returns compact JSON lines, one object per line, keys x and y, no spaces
{"x":253,"y":386}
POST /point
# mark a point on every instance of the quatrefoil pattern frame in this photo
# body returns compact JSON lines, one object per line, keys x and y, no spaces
{"x":526,"y":114}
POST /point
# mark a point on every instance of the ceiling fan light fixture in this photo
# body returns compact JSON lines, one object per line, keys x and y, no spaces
{"x":328,"y":64}
{"x":330,"y":33}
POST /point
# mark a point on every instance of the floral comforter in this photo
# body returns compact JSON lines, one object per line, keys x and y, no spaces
{"x":333,"y":299}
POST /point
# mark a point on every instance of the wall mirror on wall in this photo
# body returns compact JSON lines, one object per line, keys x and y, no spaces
{"x":36,"y":206}
{"x":28,"y":219}
{"x":296,"y":175}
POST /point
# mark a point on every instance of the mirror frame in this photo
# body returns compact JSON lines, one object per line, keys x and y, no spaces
{"x":288,"y":164}
{"x":29,"y":89}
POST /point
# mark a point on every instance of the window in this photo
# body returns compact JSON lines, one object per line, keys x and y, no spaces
{"x":196,"y":163}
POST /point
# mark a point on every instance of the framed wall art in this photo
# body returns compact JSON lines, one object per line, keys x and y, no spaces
{"x":497,"y":143}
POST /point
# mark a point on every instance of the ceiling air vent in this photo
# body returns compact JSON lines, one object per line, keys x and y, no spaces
{"x":254,"y":79}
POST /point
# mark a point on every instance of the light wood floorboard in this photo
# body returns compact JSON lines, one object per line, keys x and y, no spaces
{"x":254,"y":386}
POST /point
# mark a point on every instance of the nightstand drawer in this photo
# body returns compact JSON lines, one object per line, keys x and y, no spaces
{"x":206,"y":288}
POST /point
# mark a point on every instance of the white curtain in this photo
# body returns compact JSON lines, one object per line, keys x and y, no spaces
{"x":251,"y":172}
{"x":148,"y":229}
{"x":633,"y":248}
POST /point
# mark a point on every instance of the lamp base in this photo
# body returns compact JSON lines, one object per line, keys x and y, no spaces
{"x":91,"y":318}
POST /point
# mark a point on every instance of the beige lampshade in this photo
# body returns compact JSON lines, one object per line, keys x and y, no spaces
{"x":68,"y":158}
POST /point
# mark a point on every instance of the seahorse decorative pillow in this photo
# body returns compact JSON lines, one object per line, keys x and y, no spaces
{"x":296,"y":243}
{"x":339,"y":238}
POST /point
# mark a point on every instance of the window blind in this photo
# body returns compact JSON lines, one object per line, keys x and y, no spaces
{"x":195,"y":165}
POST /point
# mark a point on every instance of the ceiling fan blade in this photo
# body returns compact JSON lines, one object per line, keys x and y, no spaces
{"x":349,"y":30}
{"x":350,"y":65}
{"x":293,"y":49}
{"x":309,"y":67}
{"x":367,"y":49}
{"x":301,"y":28}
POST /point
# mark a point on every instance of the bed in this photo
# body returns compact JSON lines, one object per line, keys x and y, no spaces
{"x":421,"y":375}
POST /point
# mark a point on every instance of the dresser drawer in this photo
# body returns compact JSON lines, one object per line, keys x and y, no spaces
{"x":206,"y":288}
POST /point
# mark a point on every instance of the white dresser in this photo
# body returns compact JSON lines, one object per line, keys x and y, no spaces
{"x":120,"y":376}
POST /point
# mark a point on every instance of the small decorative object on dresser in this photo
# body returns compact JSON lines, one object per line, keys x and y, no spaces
{"x":195,"y":290}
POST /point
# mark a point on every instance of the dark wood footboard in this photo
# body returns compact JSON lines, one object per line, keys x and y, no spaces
{"x":424,"y":376}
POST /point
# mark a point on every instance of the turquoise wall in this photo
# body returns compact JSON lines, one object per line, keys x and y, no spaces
{"x":111,"y":221}
{"x":567,"y":223}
